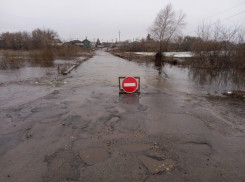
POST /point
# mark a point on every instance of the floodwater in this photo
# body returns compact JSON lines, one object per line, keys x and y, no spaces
{"x":82,"y":130}
{"x":168,"y":54}
{"x":19,"y":86}
{"x":107,"y":69}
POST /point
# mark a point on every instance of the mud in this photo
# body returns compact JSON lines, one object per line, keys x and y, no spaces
{"x":155,"y":166}
{"x":60,"y":134}
{"x":92,"y":156}
{"x":135,"y":148}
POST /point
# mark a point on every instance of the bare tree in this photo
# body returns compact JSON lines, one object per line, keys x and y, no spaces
{"x":167,"y":24}
{"x":218,"y":45}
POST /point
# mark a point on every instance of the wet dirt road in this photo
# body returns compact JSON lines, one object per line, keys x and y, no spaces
{"x":86,"y":131}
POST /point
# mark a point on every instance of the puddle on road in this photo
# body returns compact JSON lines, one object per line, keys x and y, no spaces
{"x":155,"y":166}
{"x":129,"y":99}
{"x":92,"y":156}
{"x":135,"y":148}
{"x":114,"y":119}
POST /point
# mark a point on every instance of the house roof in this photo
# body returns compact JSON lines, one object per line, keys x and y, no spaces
{"x":76,"y":41}
{"x":57,"y":41}
{"x":86,"y":41}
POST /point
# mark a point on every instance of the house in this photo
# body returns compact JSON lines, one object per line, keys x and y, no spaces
{"x":77,"y":43}
{"x":86,"y":42}
{"x":57,"y":42}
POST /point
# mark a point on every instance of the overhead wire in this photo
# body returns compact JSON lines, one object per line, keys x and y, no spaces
{"x":222,"y":20}
{"x":217,"y":13}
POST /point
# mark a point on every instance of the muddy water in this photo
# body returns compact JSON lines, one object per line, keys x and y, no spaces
{"x":93,"y":155}
{"x":106,"y":69}
{"x":26,"y":84}
{"x":84,"y":122}
{"x":205,"y":81}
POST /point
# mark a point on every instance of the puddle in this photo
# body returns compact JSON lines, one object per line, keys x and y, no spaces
{"x":155,"y":166}
{"x":114,"y":119}
{"x":135,"y":148}
{"x":129,"y":99}
{"x":93,"y":155}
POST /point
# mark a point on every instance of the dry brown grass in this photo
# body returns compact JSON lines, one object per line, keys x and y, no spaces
{"x":10,"y":60}
{"x":44,"y":57}
{"x":69,"y":52}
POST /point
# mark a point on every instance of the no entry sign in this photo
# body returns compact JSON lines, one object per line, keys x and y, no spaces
{"x":129,"y":84}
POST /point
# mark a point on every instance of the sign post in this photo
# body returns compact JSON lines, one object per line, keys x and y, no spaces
{"x":129,"y":85}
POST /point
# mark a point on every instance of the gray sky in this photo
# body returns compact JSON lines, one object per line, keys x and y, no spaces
{"x":104,"y":18}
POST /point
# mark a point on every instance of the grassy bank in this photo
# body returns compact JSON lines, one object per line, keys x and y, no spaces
{"x":10,"y":59}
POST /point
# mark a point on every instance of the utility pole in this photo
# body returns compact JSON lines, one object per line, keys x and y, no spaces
{"x":119,"y":35}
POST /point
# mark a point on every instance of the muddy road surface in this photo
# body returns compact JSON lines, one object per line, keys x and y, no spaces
{"x":85,"y":131}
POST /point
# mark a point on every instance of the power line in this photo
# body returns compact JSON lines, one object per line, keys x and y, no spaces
{"x":222,"y":20}
{"x":217,"y":13}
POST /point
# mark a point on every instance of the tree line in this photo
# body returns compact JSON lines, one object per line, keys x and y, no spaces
{"x":36,"y":39}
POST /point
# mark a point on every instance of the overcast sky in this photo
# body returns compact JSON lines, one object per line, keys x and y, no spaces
{"x":103,"y":19}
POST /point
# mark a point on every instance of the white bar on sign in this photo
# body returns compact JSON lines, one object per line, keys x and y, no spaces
{"x":129,"y":85}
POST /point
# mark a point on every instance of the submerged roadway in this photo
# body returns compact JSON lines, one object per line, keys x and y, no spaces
{"x":86,"y":131}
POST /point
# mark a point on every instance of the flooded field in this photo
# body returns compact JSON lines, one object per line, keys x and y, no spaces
{"x":168,"y":54}
{"x":30,"y":82}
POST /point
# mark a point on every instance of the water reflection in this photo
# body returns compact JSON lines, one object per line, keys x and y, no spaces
{"x":228,"y":80}
{"x":159,"y":66}
{"x":105,"y":69}
{"x":196,"y":80}
{"x":129,"y":99}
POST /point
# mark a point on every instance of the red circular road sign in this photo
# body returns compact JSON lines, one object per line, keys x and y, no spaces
{"x":129,"y":84}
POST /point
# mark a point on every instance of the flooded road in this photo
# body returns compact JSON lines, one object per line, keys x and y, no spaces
{"x":83,"y":130}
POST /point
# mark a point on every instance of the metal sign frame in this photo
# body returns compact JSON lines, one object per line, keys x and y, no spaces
{"x":121,"y":91}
